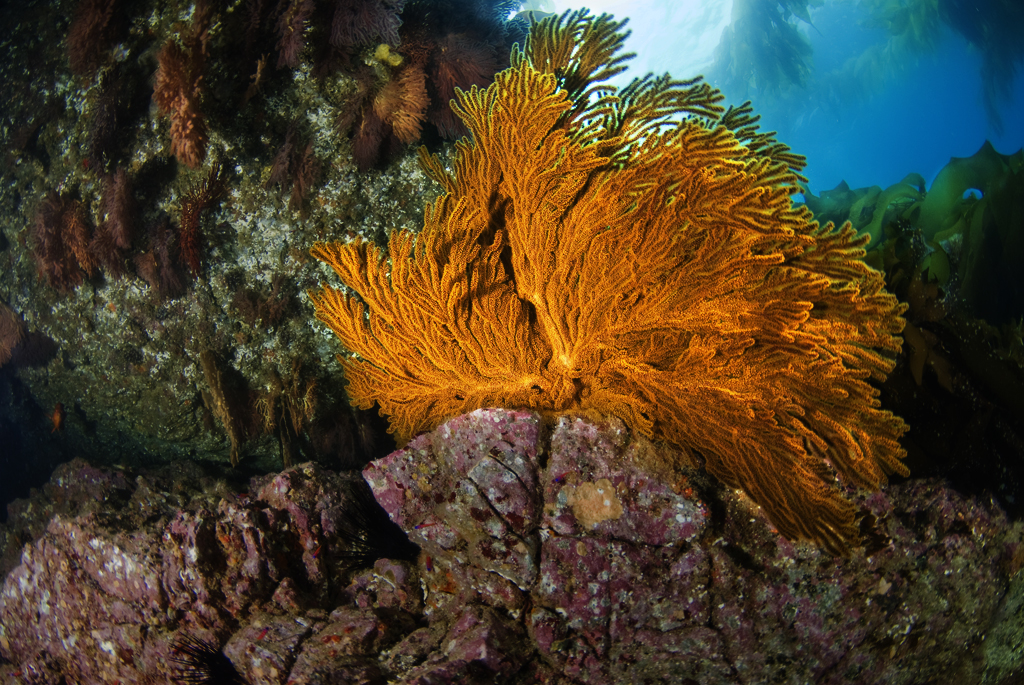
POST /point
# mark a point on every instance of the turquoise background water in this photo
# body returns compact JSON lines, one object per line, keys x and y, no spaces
{"x":925,"y":107}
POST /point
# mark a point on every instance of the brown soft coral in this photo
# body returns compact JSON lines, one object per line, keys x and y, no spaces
{"x":62,"y":234}
{"x":179,"y":89}
{"x":458,"y":46}
{"x":11,"y":332}
{"x":92,"y":32}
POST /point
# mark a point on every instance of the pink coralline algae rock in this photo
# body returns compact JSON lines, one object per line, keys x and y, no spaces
{"x":621,"y":575}
{"x":106,"y":596}
{"x":565,"y":553}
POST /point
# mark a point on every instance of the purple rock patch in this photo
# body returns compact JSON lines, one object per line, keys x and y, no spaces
{"x":548,"y":554}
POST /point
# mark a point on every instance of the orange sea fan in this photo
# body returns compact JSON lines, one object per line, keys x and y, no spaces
{"x":634,"y":253}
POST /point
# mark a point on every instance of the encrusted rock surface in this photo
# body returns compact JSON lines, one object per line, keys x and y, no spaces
{"x":558,"y":554}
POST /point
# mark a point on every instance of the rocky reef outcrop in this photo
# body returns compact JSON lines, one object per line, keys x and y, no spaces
{"x":546,"y":553}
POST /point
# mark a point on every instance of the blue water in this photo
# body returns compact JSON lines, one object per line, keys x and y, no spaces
{"x":932,"y":112}
{"x":873,"y":132}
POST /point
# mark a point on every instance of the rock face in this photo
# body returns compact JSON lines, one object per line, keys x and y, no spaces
{"x":558,"y":554}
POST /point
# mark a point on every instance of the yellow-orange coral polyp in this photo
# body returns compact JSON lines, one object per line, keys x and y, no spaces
{"x":588,"y":255}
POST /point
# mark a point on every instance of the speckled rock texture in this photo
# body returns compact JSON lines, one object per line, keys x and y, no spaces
{"x":558,"y":553}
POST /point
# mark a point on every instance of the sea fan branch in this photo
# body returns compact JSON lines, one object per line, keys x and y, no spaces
{"x":651,"y":266}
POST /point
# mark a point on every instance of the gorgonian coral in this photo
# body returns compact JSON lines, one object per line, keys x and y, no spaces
{"x":634,"y":253}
